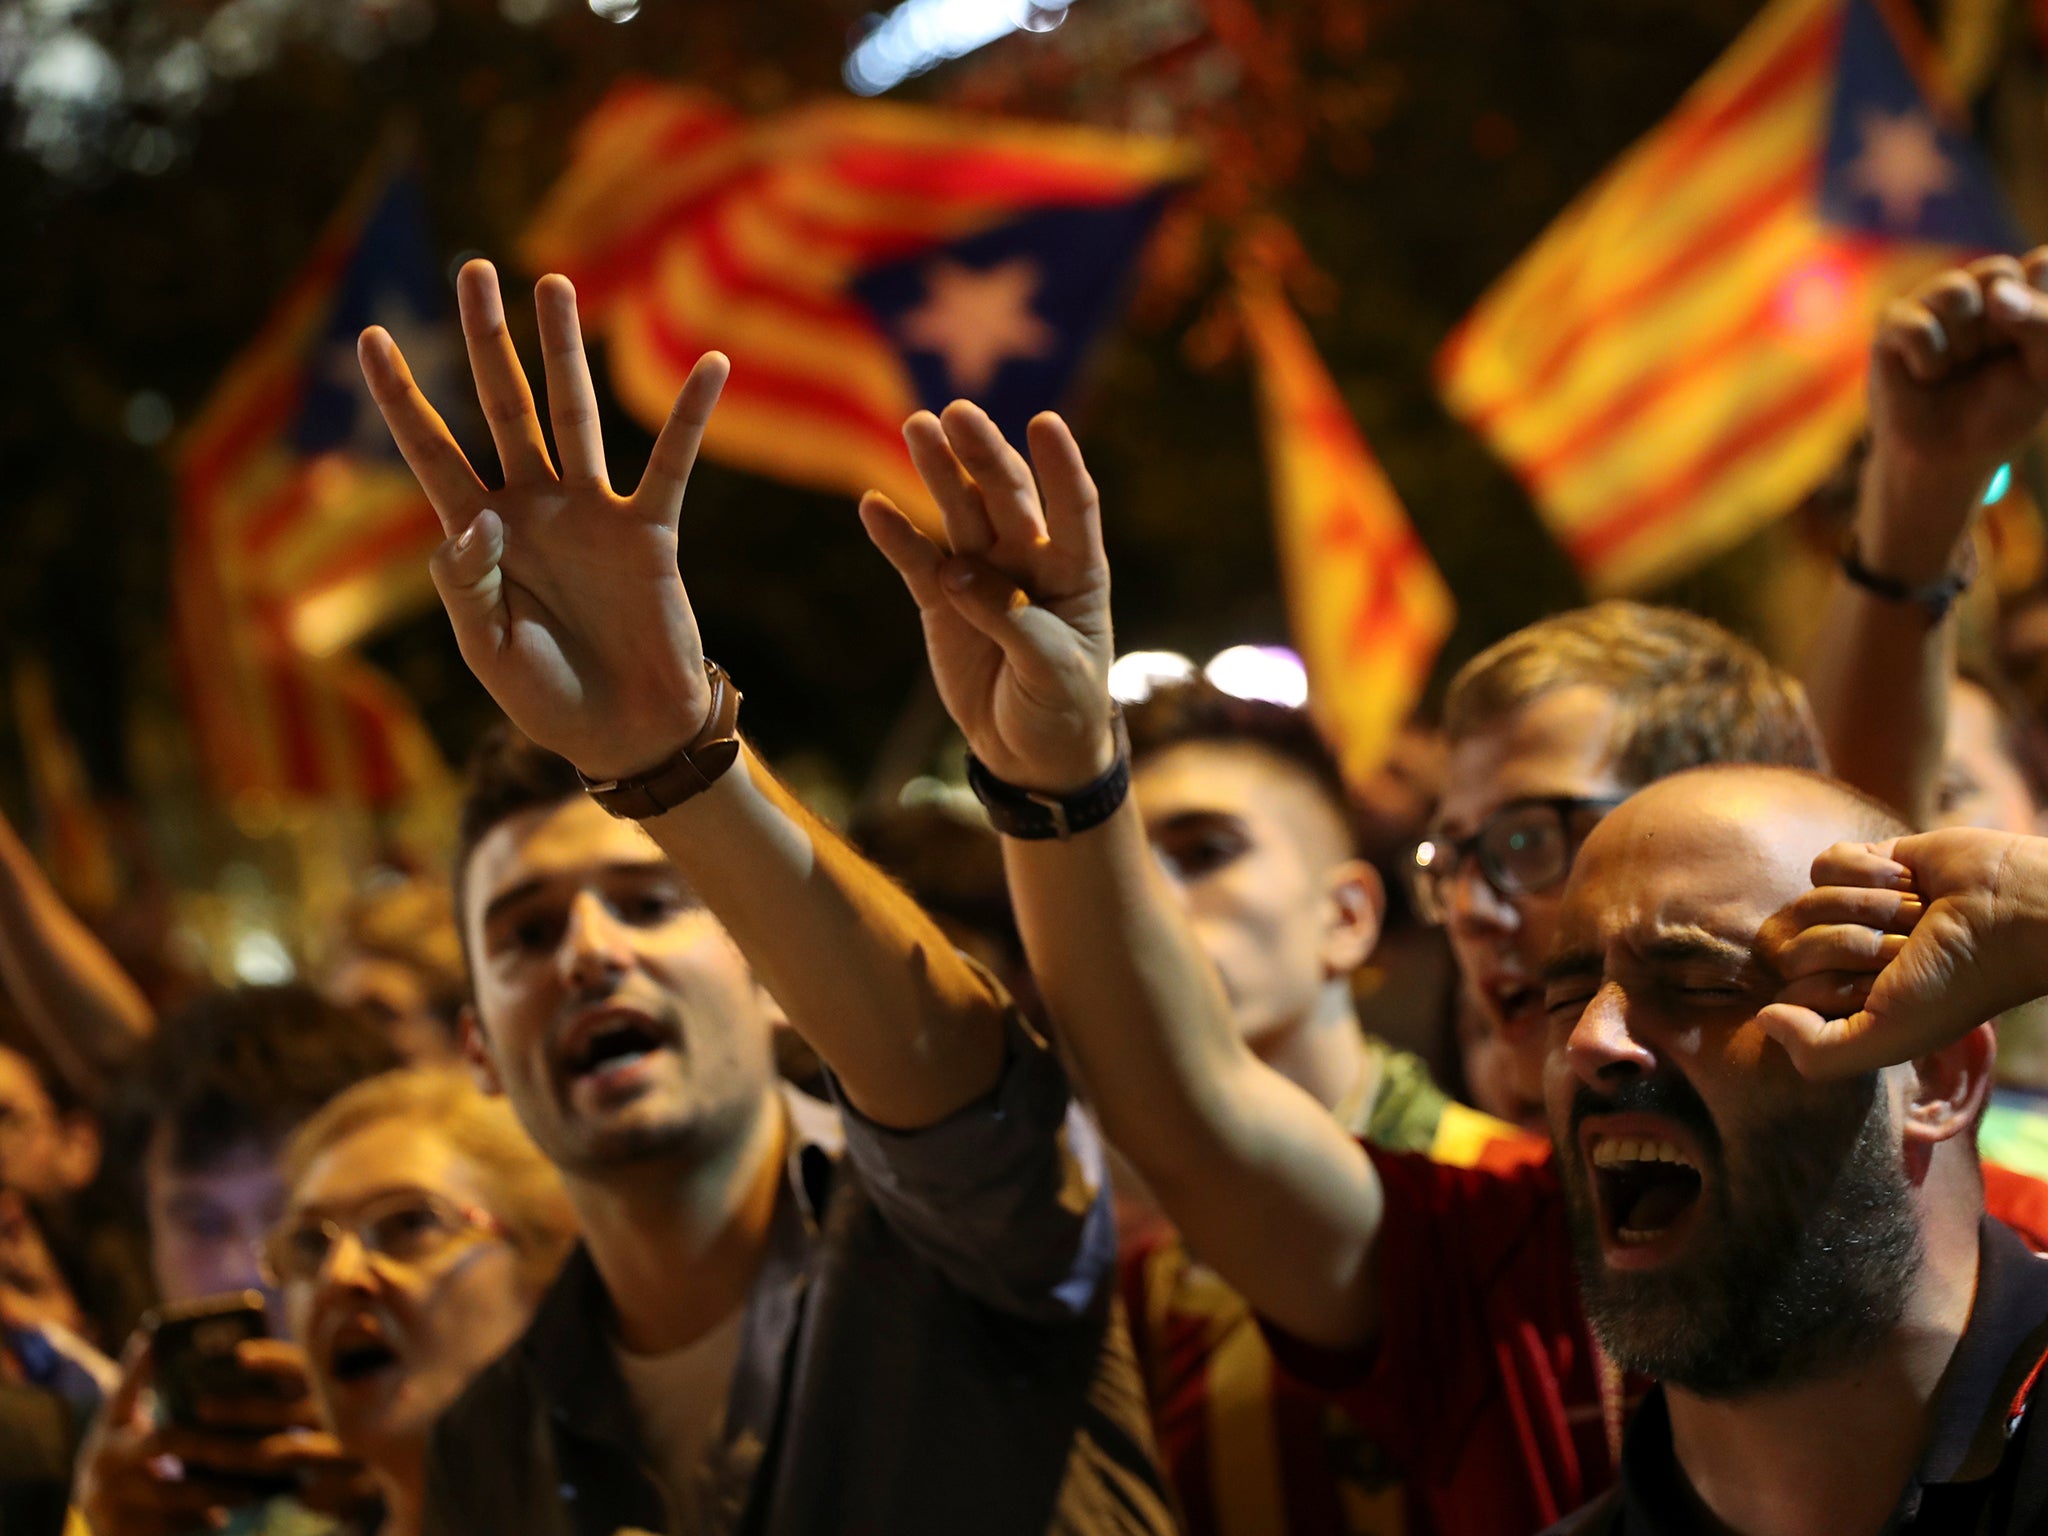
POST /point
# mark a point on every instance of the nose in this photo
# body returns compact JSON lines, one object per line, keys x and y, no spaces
{"x":1601,"y":1048}
{"x":347,"y":1264}
{"x":1476,"y":908}
{"x":593,"y":954}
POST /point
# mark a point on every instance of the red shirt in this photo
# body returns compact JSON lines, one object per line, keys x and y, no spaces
{"x":1485,"y":1385}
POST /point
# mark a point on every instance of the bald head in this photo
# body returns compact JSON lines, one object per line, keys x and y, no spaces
{"x":1780,"y":818}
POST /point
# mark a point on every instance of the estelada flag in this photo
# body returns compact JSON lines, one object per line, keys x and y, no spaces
{"x":856,"y":259}
{"x":300,"y":530}
{"x":1368,"y":609}
{"x":1682,"y":355}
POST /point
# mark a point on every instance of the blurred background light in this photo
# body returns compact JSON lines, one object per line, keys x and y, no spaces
{"x":1269,"y":672}
{"x":1135,"y":676}
{"x":921,"y":34}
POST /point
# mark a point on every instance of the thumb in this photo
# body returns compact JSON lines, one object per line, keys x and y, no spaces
{"x":468,"y":576}
{"x":1001,"y":610}
{"x":1821,"y":1048}
{"x":138,"y":1370}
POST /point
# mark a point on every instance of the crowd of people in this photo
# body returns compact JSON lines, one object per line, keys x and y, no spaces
{"x":1118,"y":1164}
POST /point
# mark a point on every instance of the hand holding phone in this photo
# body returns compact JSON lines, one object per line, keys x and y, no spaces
{"x":246,"y":1426}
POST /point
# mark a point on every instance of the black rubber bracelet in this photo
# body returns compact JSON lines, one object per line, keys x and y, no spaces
{"x":1035,"y":817}
{"x":1937,"y":598}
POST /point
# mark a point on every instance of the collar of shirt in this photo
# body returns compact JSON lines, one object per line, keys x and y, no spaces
{"x":1978,"y":1404}
{"x":568,"y":1343}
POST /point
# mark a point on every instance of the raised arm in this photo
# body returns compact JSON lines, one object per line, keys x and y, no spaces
{"x":80,"y":1007}
{"x":1016,"y":620}
{"x":568,"y":605}
{"x":1958,"y":379}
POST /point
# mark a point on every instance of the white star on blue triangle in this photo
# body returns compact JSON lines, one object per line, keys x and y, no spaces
{"x":1894,"y":164}
{"x":1077,"y":259}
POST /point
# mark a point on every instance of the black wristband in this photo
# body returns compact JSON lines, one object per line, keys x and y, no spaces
{"x":1937,"y":598}
{"x":1033,"y":817}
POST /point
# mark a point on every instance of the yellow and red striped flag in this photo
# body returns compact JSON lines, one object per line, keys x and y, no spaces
{"x":1681,"y":356}
{"x":77,"y":845}
{"x":856,"y":259}
{"x":300,"y":530}
{"x":1368,"y":608}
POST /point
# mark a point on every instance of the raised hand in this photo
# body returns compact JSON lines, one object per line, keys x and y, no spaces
{"x":565,"y":596}
{"x":1959,"y":378}
{"x":1958,"y":920}
{"x":1016,"y":608}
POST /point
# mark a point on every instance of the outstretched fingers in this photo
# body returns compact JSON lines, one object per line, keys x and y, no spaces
{"x":1008,"y":492}
{"x":572,"y":399}
{"x":968,"y":529}
{"x":1073,"y":509}
{"x":423,"y":438}
{"x":682,"y":435}
{"x":500,"y":382}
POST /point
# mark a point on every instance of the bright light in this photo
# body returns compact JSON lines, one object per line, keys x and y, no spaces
{"x":616,"y":10}
{"x":1135,"y":677}
{"x":261,"y":959}
{"x":2000,"y":484}
{"x":920,"y":34}
{"x":1271,"y":673}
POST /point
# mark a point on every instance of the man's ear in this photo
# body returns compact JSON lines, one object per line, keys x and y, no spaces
{"x":476,"y":1050}
{"x":1355,"y":904}
{"x":1950,"y":1088}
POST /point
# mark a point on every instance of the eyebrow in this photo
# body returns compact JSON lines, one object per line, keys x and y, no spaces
{"x":526,"y":890}
{"x":1574,"y":965}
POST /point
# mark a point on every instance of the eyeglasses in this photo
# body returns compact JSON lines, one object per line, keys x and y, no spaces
{"x":408,"y":1226}
{"x":1524,"y":847}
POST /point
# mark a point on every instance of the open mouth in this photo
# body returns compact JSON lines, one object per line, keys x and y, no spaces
{"x":1647,"y":1187}
{"x":357,"y":1359}
{"x":614,"y":1045}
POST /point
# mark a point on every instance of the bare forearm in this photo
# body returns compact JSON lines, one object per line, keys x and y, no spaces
{"x":911,"y":1030}
{"x":1879,"y":679}
{"x":84,"y":1011}
{"x":1256,"y":1174}
{"x":1880,"y":673}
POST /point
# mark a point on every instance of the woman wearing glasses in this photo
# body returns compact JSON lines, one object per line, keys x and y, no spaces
{"x":422,"y":1228}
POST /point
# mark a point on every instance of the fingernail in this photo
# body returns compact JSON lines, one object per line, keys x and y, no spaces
{"x":468,"y":538}
{"x":2010,"y":300}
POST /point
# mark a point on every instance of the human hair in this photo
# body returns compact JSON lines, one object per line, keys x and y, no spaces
{"x":1686,"y":692}
{"x":410,"y":922}
{"x":508,"y":773}
{"x":524,"y":1191}
{"x":244,"y":1066}
{"x":1198,"y":711}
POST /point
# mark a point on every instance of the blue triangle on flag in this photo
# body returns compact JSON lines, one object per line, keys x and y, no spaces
{"x":393,"y":279}
{"x":1004,"y":316}
{"x":1895,"y":164}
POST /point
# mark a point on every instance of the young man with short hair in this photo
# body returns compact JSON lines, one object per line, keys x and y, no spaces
{"x":1248,"y":816}
{"x":913,"y":1334}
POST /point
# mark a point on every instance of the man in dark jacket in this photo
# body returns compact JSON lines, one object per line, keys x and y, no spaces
{"x":912,"y":1333}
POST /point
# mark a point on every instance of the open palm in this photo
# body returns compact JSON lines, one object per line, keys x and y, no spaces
{"x":565,"y":596}
{"x":1016,"y":609}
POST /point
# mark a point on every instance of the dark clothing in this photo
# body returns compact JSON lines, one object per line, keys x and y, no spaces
{"x":930,"y":1347}
{"x":1985,"y":1471}
{"x":36,"y":1446}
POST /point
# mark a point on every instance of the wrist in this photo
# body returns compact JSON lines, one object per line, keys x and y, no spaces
{"x":1914,"y":522}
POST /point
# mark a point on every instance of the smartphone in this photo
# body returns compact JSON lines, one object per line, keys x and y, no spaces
{"x":194,"y":1344}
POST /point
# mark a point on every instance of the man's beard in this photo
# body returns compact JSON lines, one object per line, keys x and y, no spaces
{"x":1802,"y":1259}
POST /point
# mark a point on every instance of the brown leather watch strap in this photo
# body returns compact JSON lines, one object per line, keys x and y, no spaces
{"x":690,"y":772}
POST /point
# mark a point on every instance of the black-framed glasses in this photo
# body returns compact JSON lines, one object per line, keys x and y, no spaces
{"x":1526,"y":846}
{"x":406,"y":1226}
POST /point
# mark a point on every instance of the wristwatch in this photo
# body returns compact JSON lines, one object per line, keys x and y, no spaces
{"x":1035,"y":817}
{"x":690,"y":772}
